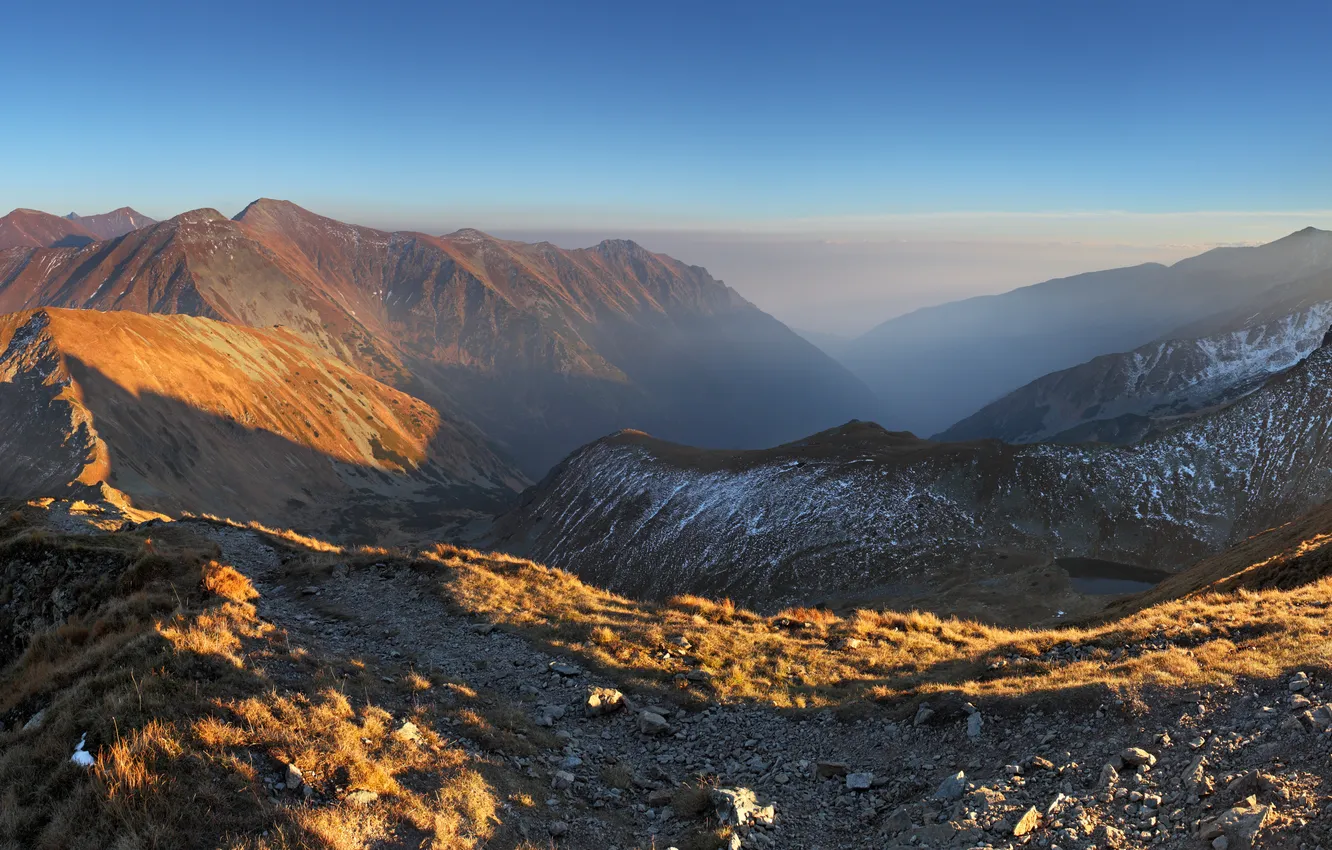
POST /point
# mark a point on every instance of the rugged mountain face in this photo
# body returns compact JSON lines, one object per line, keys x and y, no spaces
{"x":862,"y":511}
{"x":199,"y":263}
{"x":1119,"y":398}
{"x":938,"y":365}
{"x":546,"y":348}
{"x":188,"y":414}
{"x":542,"y":348}
{"x":112,"y":224}
{"x":34,"y":229}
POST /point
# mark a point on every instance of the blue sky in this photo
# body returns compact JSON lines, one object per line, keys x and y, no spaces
{"x":706,"y":116}
{"x":681,"y":111}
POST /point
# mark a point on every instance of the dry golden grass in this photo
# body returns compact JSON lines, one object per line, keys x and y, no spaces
{"x":168,"y":679}
{"x":806,"y":658}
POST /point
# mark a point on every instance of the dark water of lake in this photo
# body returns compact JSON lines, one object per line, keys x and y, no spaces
{"x":1098,"y":577}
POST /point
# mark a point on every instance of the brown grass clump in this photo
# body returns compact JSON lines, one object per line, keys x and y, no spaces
{"x":224,"y":581}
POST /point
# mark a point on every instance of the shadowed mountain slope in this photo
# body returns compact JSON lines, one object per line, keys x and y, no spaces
{"x":546,"y":348}
{"x":187,"y":414}
{"x":862,"y":510}
{"x":1121,"y":397}
{"x":938,"y":365}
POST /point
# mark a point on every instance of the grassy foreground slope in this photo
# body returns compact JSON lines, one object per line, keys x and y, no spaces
{"x":198,"y":660}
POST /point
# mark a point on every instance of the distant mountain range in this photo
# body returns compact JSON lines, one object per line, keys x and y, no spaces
{"x":1122,"y":397}
{"x":861,"y":512}
{"x":23,"y":228}
{"x":532,"y":348}
{"x":937,"y":366}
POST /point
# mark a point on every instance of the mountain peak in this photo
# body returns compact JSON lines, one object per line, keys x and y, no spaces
{"x":109,"y":225}
{"x":469,"y":234}
{"x":271,"y":206}
{"x":620,"y":246}
{"x":28,"y":228}
{"x":203,"y":215}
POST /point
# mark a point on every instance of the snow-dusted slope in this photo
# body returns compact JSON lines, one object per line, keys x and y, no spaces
{"x":937,"y":365}
{"x":1118,"y":397}
{"x":860,"y":508}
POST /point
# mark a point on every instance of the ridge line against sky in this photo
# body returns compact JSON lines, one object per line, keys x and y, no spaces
{"x":878,"y":122}
{"x":842,"y":281}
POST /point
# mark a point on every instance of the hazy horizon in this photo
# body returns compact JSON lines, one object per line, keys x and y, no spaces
{"x":844,"y":277}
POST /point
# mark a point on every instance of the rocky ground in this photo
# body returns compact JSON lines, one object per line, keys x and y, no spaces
{"x":1230,"y":769}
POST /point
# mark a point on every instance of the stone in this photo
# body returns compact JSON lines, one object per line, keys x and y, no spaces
{"x":974,"y":723}
{"x":1137,"y":756}
{"x":1108,"y":779}
{"x":564,"y":668}
{"x":1321,"y":718}
{"x":1220,"y":843}
{"x":952,"y":788}
{"x":923,"y":714}
{"x":1106,"y":835}
{"x":293,"y":777}
{"x":898,"y":821}
{"x":829,"y":769}
{"x":1240,"y":825}
{"x":740,"y":807}
{"x":651,"y":723}
{"x":603,"y":701}
{"x":562,"y":779}
{"x":1030,"y":820}
{"x":859,"y":781}
{"x":361,"y":797}
{"x":1042,"y":763}
{"x":660,"y":797}
{"x":1298,"y":682}
{"x":483,"y":628}
{"x":409,"y":731}
{"x":557,"y":828}
{"x":35,"y":721}
{"x":937,"y":834}
{"x":982,"y":799}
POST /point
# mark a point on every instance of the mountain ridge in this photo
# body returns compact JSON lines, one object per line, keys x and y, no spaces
{"x":967,"y":354}
{"x":862,"y":508}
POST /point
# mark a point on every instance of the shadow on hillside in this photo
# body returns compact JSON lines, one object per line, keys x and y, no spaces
{"x":172,"y":457}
